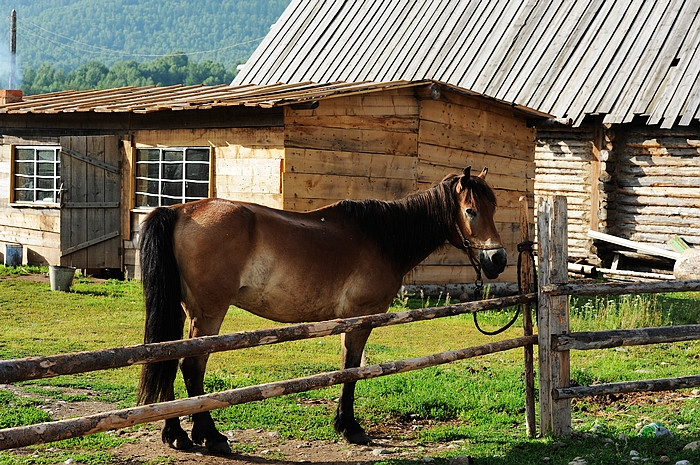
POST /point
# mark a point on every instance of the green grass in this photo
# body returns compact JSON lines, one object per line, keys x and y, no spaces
{"x":476,"y":405}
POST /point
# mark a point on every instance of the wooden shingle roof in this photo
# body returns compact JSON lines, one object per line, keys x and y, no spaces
{"x":568,"y":58}
{"x":149,"y":99}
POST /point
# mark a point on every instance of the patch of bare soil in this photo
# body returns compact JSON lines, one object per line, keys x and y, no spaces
{"x":249,"y":446}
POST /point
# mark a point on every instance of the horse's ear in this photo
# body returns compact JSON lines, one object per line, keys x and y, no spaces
{"x":483,"y":173}
{"x":465,"y":179}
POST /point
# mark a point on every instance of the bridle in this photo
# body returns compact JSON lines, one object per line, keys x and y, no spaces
{"x":469,"y":247}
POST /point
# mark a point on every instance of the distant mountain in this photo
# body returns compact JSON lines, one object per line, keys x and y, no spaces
{"x":67,"y":34}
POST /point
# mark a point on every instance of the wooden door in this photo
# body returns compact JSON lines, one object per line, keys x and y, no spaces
{"x":90,"y":215}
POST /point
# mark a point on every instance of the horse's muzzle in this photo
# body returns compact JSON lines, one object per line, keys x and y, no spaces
{"x":493,"y":262}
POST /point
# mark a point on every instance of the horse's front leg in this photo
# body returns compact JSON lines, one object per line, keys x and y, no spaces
{"x":345,"y":423}
{"x":203,"y":429}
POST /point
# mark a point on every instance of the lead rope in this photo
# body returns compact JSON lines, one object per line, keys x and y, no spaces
{"x":523,"y":248}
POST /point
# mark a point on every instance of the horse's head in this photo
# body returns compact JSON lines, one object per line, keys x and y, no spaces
{"x":475,"y":230}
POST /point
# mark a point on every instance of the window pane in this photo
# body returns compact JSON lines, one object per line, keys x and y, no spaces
{"x":169,"y":201}
{"x":171,"y":171}
{"x":147,"y":155}
{"x":49,"y":155}
{"x":148,"y":170}
{"x":197,"y":171}
{"x":23,"y":167}
{"x":45,"y":196}
{"x":24,"y":196}
{"x":146,"y":186}
{"x":172,"y":155}
{"x":44,"y":169}
{"x":24,"y":182}
{"x":24,"y":154}
{"x":196,"y":189}
{"x":197,"y":154}
{"x":172,"y":188}
{"x":44,"y":183}
{"x":146,"y":200}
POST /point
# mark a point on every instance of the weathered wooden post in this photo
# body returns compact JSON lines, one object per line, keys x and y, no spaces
{"x":553,"y":315}
{"x":525,"y":284}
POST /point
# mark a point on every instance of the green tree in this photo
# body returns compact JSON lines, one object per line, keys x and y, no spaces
{"x":124,"y":74}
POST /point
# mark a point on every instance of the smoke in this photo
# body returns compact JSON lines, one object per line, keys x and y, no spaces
{"x":5,"y":59}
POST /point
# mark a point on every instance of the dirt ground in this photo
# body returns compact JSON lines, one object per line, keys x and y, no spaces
{"x":249,"y":446}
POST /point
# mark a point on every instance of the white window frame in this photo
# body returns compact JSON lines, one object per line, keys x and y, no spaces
{"x":160,"y":180}
{"x":34,"y":178}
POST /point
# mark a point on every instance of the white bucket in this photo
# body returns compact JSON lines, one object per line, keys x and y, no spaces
{"x":61,"y":277}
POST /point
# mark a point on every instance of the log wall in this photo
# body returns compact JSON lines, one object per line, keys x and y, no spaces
{"x":657,"y":185}
{"x":564,"y":160}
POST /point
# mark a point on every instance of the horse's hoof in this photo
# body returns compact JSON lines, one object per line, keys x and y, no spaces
{"x":219,"y":446}
{"x":181,"y":443}
{"x":358,"y":437}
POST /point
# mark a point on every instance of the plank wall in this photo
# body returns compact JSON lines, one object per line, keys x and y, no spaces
{"x":459,"y":130}
{"x":391,"y":144}
{"x":36,"y":228}
{"x":657,"y":180}
{"x":246,"y":165}
{"x":355,"y":147}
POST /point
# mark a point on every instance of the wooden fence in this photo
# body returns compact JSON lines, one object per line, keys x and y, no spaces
{"x":43,"y":367}
{"x":555,"y":339}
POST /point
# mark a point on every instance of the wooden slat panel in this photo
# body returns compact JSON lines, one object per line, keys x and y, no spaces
{"x":350,"y":163}
{"x":315,"y":186}
{"x":351,"y":140}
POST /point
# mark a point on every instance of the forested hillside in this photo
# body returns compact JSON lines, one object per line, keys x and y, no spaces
{"x":76,"y":44}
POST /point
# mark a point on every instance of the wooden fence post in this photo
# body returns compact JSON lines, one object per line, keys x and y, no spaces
{"x":528,"y":351}
{"x":553,"y":315}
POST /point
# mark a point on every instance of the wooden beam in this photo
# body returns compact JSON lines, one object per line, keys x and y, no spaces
{"x":586,"y":340}
{"x":11,"y":438}
{"x":621,"y":288}
{"x":553,"y":315}
{"x":664,"y":384}
{"x":638,"y":246}
{"x":12,"y":371}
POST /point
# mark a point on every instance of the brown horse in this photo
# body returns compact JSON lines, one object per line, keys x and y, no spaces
{"x":344,"y":260}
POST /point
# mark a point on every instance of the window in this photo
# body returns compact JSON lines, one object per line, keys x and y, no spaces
{"x":166,"y":176}
{"x":37,"y":173}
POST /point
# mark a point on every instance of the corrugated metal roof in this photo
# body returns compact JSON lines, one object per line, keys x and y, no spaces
{"x":568,"y":58}
{"x":150,"y":99}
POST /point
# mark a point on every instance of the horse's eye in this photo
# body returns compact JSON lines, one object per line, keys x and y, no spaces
{"x":470,"y":212}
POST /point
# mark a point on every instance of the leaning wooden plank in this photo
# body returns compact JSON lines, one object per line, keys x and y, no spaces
{"x":665,"y":384}
{"x":11,"y":438}
{"x":648,"y":249}
{"x":587,"y":340}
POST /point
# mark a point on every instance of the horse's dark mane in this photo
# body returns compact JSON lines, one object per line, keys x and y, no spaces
{"x":409,"y":229}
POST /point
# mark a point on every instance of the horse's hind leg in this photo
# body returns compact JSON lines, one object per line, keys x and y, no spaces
{"x":203,"y":429}
{"x":345,"y":423}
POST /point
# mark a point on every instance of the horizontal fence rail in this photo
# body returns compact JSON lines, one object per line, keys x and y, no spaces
{"x":621,"y":288}
{"x":45,"y":367}
{"x":661,"y":384}
{"x":64,"y":429}
{"x":587,"y":340}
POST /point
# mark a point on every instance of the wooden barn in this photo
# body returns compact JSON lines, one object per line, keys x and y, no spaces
{"x":79,"y":170}
{"x":622,"y":77}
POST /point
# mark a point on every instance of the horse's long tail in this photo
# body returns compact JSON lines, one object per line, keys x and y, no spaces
{"x":162,"y":294}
